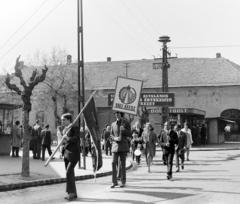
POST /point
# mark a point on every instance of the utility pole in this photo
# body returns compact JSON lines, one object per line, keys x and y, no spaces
{"x":126,"y":66}
{"x":165,"y":66}
{"x":81,"y":97}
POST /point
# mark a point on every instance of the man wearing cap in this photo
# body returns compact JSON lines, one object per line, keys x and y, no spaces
{"x":120,"y":132}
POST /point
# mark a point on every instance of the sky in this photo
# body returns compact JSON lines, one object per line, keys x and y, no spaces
{"x":120,"y":29}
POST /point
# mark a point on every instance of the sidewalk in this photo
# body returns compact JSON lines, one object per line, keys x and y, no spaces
{"x":11,"y":179}
{"x":217,"y":147}
{"x":10,"y":168}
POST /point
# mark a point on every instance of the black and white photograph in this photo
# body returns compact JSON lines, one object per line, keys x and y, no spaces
{"x":120,"y":101}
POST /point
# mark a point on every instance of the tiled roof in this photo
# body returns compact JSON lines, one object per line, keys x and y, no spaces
{"x":182,"y":72}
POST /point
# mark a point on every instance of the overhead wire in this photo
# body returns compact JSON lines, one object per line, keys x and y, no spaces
{"x":141,"y":27}
{"x":23,"y":24}
{"x":124,"y":29}
{"x":203,"y":46}
{"x":32,"y":29}
{"x":142,"y":14}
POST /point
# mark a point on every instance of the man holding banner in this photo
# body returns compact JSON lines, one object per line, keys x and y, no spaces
{"x":120,"y":132}
{"x":71,"y":152}
{"x":126,"y":100}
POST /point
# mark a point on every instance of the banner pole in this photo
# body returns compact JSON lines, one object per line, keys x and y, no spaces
{"x":69,"y":128}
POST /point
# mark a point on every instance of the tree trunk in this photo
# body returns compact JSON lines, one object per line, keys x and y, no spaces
{"x":26,"y":141}
{"x":57,"y":119}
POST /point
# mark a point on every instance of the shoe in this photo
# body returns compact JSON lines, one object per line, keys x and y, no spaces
{"x":188,"y":159}
{"x":169,"y":177}
{"x":71,"y":197}
{"x":178,"y":170}
{"x":122,"y":185}
{"x":182,"y":167}
{"x":113,"y":185}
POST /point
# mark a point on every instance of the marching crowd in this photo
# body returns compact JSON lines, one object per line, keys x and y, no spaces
{"x":119,"y":139}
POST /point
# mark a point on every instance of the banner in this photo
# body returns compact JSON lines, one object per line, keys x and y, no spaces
{"x":127,"y":94}
{"x":90,"y":117}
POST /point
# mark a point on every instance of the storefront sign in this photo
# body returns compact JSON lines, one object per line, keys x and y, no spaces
{"x":151,"y":99}
{"x":157,"y":99}
{"x":177,"y":111}
{"x":127,"y":94}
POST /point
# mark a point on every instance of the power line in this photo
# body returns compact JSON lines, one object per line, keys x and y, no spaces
{"x":20,"y":27}
{"x":32,"y":29}
{"x":145,"y":17}
{"x":139,"y":22}
{"x":124,"y":29}
{"x":204,"y":46}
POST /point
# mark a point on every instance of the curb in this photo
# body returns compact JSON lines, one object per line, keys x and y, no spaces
{"x":210,"y":149}
{"x":16,"y":186}
{"x":215,"y":149}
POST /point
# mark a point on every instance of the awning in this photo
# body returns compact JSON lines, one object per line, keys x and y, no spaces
{"x":229,"y":121}
{"x":190,"y":111}
{"x":9,"y":106}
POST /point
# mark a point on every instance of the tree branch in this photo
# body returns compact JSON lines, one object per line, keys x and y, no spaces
{"x":12,"y":86}
{"x":38,"y":79}
{"x":18,"y":72}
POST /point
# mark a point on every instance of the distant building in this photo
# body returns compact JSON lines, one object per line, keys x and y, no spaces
{"x":207,"y":90}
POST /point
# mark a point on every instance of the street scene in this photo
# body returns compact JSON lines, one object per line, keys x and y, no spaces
{"x":119,"y":101}
{"x":210,"y":177}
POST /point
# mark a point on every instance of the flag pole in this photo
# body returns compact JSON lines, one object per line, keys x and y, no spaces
{"x":69,"y":128}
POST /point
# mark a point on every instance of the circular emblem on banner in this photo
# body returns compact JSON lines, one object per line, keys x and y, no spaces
{"x":127,"y":95}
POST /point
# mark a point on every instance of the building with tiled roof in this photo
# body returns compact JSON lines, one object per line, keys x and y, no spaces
{"x":205,"y":89}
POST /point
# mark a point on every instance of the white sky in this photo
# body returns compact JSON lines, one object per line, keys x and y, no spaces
{"x":121,"y":29}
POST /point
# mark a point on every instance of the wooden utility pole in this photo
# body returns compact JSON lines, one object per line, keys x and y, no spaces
{"x":81,"y":97}
{"x":165,"y":66}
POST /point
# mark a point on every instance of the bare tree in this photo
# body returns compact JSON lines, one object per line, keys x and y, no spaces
{"x":25,"y":92}
{"x":58,"y":85}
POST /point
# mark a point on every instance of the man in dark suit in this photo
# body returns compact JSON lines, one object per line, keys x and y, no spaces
{"x":120,"y":132}
{"x":181,"y":147}
{"x":46,"y":141}
{"x":36,"y":140}
{"x":71,"y":153}
{"x":168,"y":142}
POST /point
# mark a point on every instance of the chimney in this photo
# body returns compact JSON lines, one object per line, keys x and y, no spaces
{"x":109,"y":59}
{"x":69,"y":59}
{"x":218,"y":55}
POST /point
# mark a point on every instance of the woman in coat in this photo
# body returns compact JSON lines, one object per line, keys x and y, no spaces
{"x":16,"y":139}
{"x":149,"y":142}
{"x":188,"y":132}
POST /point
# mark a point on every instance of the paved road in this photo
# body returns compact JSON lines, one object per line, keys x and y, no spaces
{"x":210,"y":177}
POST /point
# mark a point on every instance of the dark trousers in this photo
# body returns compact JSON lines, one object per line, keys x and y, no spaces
{"x":108,"y":147}
{"x":44,"y":147}
{"x":180,"y":155}
{"x":15,"y":151}
{"x":168,"y":155}
{"x":70,"y":176}
{"x":36,"y":149}
{"x":138,"y":159}
{"x":116,"y":164}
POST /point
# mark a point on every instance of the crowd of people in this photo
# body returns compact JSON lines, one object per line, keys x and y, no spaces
{"x":119,"y":139}
{"x":141,"y":141}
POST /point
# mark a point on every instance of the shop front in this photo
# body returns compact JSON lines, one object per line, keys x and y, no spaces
{"x":7,"y":112}
{"x":194,"y":117}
